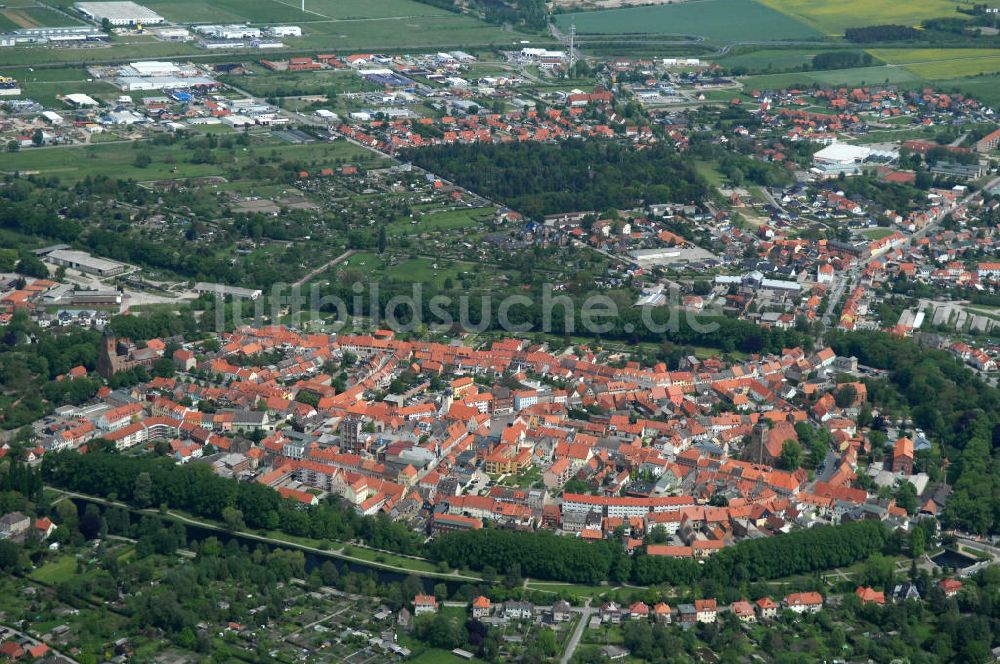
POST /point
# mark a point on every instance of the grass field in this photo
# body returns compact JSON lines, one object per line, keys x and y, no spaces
{"x":437,"y":656}
{"x":117,"y":159}
{"x":857,"y":76}
{"x":441,"y":221}
{"x":939,"y":63}
{"x":723,"y":20}
{"x":877,"y":233}
{"x":776,"y":59}
{"x":832,"y":18}
{"x":46,"y":92}
{"x":281,"y":84}
{"x":6,"y":25}
{"x":57,"y":571}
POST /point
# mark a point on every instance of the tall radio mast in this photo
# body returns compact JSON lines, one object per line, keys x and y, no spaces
{"x":572,"y":51}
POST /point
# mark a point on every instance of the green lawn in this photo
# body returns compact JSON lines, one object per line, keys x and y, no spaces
{"x":453,"y":220}
{"x":709,"y":172}
{"x":569,"y":589}
{"x":60,"y":570}
{"x":877,"y":233}
{"x":390,"y":559}
{"x":54,"y":74}
{"x":438,"y":656}
{"x":724,"y":20}
{"x":421,"y":270}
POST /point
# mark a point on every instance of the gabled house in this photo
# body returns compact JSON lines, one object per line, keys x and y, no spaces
{"x":808,"y":602}
{"x":743,"y":611}
{"x":424,"y":604}
{"x":706,"y":610}
{"x":767,"y":608}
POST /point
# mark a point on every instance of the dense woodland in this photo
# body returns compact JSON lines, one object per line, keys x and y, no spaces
{"x":542,"y":178}
{"x":882,"y":33}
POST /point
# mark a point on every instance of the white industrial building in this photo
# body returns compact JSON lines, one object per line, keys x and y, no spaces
{"x":134,"y":83}
{"x":235,"y":31}
{"x":158,"y":75}
{"x":150,"y":68}
{"x":118,"y":13}
{"x":285,"y":31}
{"x":174,"y":34}
{"x":237,"y":121}
{"x":80,"y":100}
{"x":539,"y":53}
{"x":52,"y":117}
{"x":838,"y":158}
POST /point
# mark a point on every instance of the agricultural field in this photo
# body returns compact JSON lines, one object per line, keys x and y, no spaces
{"x":856,"y":76}
{"x":985,"y":89}
{"x":32,"y":15}
{"x":721,"y":20}
{"x":832,"y":18}
{"x":938,"y":63}
{"x":415,"y":30}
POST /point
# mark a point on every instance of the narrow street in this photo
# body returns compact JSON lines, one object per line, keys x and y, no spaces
{"x":585,"y":613}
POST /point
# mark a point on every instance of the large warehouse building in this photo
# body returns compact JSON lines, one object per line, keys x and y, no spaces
{"x":118,"y":13}
{"x":84,"y":262}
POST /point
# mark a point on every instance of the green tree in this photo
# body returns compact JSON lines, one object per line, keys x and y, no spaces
{"x":142,"y":490}
{"x":918,"y":542}
{"x":791,"y":455}
{"x":233,"y":518}
{"x":846,"y":396}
